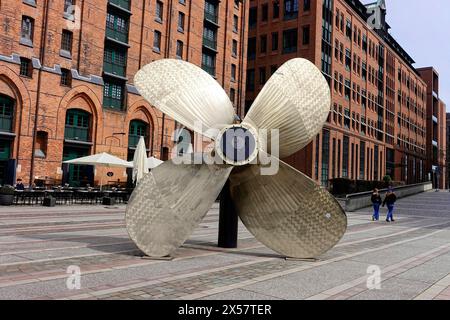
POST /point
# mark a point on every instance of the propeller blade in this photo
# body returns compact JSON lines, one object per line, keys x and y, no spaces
{"x":287,"y":212}
{"x":170,"y":202}
{"x":187,"y":94}
{"x":296,"y":100}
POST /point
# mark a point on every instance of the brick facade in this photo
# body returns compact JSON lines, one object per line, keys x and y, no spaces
{"x":41,"y":95}
{"x":377,"y":123}
{"x":436,"y":128}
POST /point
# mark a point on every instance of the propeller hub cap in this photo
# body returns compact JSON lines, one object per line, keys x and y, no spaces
{"x":237,"y":145}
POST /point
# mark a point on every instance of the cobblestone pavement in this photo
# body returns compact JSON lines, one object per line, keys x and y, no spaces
{"x":38,"y":245}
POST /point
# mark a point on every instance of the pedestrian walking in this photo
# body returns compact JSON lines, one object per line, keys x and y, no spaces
{"x":390,"y":200}
{"x":376,"y":202}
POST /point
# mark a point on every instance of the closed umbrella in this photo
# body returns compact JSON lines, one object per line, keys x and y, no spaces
{"x":152,"y":163}
{"x":140,"y":163}
{"x":103,"y":160}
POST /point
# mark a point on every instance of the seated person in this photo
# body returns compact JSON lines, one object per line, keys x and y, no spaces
{"x":20,"y":186}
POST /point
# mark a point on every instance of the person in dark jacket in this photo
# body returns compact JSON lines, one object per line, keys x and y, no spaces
{"x":390,"y":200}
{"x":20,"y":186}
{"x":376,"y":202}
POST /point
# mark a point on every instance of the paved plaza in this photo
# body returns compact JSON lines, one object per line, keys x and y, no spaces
{"x":38,"y":245}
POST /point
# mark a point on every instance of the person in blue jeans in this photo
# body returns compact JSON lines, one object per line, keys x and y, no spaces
{"x":390,"y":200}
{"x":376,"y":202}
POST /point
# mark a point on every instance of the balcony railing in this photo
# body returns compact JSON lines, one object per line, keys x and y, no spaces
{"x":77,"y":133}
{"x":209,"y":69}
{"x":117,"y":35}
{"x":5,"y":124}
{"x":212,"y":44}
{"x":112,"y":103}
{"x":125,"y":4}
{"x":211,"y":16}
{"x":115,"y":69}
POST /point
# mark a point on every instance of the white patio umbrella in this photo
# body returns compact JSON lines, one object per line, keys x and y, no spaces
{"x":140,"y":163}
{"x":103,"y":160}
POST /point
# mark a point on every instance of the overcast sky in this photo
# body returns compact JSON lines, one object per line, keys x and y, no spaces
{"x":422,"y":28}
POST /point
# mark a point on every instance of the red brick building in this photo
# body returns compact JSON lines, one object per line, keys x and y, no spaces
{"x":377,"y":125}
{"x":436,"y":128}
{"x":66,"y":77}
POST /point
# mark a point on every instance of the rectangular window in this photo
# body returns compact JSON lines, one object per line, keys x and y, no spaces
{"x":211,"y":11}
{"x":159,"y":11}
{"x":26,"y":67}
{"x":348,"y":60}
{"x":264,"y":12}
{"x":209,"y":63}
{"x":233,"y":72}
{"x":181,"y":21}
{"x":263,"y":44}
{"x":306,"y":5}
{"x":232,"y":95}
{"x":235,"y":23}
{"x":251,"y":51}
{"x":333,"y":159}
{"x":253,"y":17}
{"x":66,"y":41}
{"x":210,"y":37}
{"x":364,"y":43}
{"x":347,"y":89}
{"x":234,"y":48}
{"x":251,"y":80}
{"x":305,"y":38}
{"x":339,"y":159}
{"x":348,"y":29}
{"x":274,"y":41}
{"x":276,"y":10}
{"x":325,"y":157}
{"x":347,"y":118}
{"x":352,"y":170}
{"x":362,"y":160}
{"x":376,"y":162}
{"x":262,"y":75}
{"x":66,"y":78}
{"x":316,"y":162}
{"x":180,"y":46}
{"x":157,"y":41}
{"x":27,"y":31}
{"x":113,"y":95}
{"x":290,"y":9}
{"x":290,"y":41}
{"x":69,"y":8}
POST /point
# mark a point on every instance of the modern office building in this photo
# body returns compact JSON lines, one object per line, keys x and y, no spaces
{"x":436,"y":129}
{"x":377,"y":125}
{"x":66,"y":77}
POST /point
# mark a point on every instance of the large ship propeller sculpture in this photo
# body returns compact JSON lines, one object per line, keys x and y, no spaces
{"x":285,"y":211}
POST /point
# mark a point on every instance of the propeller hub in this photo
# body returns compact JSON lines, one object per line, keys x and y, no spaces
{"x":237,"y":145}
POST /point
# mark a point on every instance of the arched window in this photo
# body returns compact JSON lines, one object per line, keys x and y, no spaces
{"x":138,"y":129}
{"x":6,"y":113}
{"x":77,"y":125}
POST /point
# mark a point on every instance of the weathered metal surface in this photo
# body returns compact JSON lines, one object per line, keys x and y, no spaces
{"x":288,"y":212}
{"x":186,"y":93}
{"x":296,"y":101}
{"x":169,"y":203}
